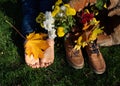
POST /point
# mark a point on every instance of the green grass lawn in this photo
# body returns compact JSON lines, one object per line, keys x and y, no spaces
{"x":14,"y":71}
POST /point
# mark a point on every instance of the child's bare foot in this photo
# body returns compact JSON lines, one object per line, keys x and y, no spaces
{"x":48,"y":54}
{"x":45,"y":61}
{"x":32,"y":62}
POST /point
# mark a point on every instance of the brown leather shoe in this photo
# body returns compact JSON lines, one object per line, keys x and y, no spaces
{"x":74,"y":57}
{"x":95,"y":58}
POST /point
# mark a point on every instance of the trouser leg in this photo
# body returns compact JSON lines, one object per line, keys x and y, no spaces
{"x":30,"y":11}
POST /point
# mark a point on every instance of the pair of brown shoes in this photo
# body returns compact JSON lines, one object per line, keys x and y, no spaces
{"x":76,"y":60}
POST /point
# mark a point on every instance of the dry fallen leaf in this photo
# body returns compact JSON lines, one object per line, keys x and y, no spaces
{"x":36,"y":45}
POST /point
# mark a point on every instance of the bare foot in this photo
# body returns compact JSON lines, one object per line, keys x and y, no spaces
{"x":32,"y":62}
{"x":48,"y":55}
{"x":44,"y":62}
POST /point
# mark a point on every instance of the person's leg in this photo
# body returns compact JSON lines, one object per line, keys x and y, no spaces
{"x":29,"y":10}
{"x":46,"y":5}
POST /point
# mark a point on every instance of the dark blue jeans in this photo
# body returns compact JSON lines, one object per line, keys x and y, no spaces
{"x":31,"y":9}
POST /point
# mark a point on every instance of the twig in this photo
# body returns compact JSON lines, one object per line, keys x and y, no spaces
{"x":15,"y":29}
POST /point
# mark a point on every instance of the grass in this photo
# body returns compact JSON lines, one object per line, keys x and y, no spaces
{"x":14,"y":71}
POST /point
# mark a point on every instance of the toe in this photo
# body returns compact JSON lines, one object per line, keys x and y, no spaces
{"x":33,"y":66}
{"x":36,"y":65}
{"x":42,"y":64}
{"x":47,"y":64}
{"x":32,"y":62}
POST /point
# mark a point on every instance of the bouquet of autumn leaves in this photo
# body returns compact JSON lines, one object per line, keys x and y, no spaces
{"x":90,"y":29}
{"x":57,"y":22}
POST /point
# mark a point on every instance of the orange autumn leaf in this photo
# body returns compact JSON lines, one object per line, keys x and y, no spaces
{"x":35,"y":45}
{"x":86,"y":26}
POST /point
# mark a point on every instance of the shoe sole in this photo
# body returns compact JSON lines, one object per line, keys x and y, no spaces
{"x":76,"y":67}
{"x":99,"y":72}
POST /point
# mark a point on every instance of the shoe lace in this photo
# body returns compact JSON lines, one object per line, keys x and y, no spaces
{"x":94,"y":48}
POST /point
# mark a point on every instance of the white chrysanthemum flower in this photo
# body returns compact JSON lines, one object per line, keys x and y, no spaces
{"x":48,"y":16}
{"x":49,"y":22}
{"x":49,"y":25}
{"x":52,"y":34}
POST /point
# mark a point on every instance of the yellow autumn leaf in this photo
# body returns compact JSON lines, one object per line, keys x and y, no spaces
{"x":84,"y":44}
{"x":79,"y":40}
{"x":77,"y":47}
{"x":30,"y":36}
{"x":94,"y":34}
{"x":33,"y":36}
{"x":105,"y":5}
{"x":39,"y":36}
{"x":35,"y":45}
{"x":78,"y":43}
{"x":94,"y":22}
